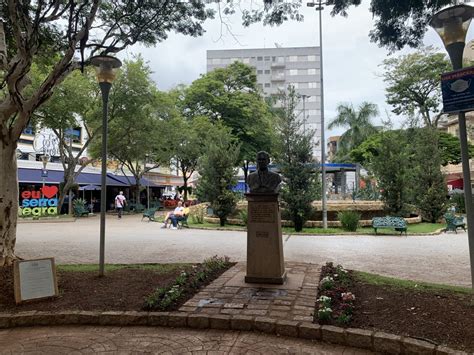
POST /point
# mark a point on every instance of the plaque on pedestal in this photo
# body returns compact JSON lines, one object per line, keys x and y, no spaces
{"x":265,"y":263}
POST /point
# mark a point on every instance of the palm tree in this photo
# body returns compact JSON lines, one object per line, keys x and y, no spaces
{"x":359,"y":123}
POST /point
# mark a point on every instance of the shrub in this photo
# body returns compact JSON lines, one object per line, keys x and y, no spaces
{"x":244,"y":216}
{"x":458,"y":200}
{"x":349,"y":220}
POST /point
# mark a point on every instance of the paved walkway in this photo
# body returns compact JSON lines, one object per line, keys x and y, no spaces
{"x":229,"y":294}
{"x":146,"y":340}
{"x":439,"y":259}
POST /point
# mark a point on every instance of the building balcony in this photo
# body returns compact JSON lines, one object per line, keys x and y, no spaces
{"x":278,"y":65}
{"x":280,"y":77}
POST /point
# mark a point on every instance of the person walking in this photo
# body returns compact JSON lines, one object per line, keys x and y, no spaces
{"x":120,"y":202}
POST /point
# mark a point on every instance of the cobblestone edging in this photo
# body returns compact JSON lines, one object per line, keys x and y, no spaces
{"x":371,"y":340}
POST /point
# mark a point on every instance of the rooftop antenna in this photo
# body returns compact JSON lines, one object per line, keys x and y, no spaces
{"x":278,"y":45}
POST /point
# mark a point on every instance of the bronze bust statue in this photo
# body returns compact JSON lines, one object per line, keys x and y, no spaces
{"x":263,"y":180}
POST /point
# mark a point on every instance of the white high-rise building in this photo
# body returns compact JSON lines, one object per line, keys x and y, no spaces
{"x":276,"y":69}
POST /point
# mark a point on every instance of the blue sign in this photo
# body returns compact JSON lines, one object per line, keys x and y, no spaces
{"x":458,"y":90}
{"x":44,"y":173}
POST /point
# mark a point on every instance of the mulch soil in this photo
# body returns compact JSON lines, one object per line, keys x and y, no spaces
{"x":437,"y":316}
{"x":120,"y":290}
{"x":442,"y":317}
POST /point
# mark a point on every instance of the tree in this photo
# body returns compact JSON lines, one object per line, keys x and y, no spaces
{"x":296,"y":162}
{"x":186,"y":141}
{"x":76,"y":100}
{"x":427,"y":188}
{"x":54,"y":32}
{"x":359,"y":124}
{"x":231,"y":94}
{"x":414,"y":84}
{"x":390,"y":167}
{"x":217,"y":171}
{"x":449,"y":149}
{"x":135,"y":130}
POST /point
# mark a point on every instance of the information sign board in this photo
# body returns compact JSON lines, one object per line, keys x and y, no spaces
{"x":458,"y":90}
{"x":34,"y":279}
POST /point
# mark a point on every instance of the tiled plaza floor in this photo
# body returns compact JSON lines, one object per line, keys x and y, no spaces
{"x":293,"y":301}
{"x":153,"y":340}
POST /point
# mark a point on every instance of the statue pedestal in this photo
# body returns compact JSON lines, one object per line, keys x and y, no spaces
{"x":265,"y":262}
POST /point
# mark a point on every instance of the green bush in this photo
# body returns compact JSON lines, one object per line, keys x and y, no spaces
{"x":349,"y":220}
{"x":244,"y":216}
{"x":458,"y":200}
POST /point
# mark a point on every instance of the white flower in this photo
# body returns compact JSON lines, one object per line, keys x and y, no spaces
{"x":324,"y":299}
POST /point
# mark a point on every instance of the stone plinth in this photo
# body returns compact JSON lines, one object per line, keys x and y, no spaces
{"x":265,"y":262}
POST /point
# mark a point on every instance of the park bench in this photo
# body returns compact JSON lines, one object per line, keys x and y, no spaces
{"x":80,"y":211}
{"x":453,"y":222}
{"x":150,"y":214}
{"x":157,"y":205}
{"x":397,"y":223}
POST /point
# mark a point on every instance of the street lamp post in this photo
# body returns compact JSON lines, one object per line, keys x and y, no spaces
{"x":44,"y":172}
{"x":452,"y":24}
{"x":105,"y":68}
{"x":319,"y":7}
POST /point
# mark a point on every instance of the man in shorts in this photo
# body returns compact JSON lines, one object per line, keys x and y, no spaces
{"x":120,"y":202}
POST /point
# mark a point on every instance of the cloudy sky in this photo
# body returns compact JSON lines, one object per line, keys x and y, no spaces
{"x":351,"y":62}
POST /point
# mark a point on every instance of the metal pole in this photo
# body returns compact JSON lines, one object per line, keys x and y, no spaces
{"x":147,"y":186}
{"x":455,"y":52}
{"x":466,"y":173}
{"x":323,"y":147}
{"x":105,"y":88}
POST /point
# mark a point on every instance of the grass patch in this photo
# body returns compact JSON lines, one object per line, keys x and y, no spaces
{"x":160,"y":268}
{"x":379,"y":280}
{"x":412,"y":228}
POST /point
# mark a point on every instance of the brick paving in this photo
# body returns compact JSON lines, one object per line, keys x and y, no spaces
{"x":126,"y":340}
{"x":292,"y":301}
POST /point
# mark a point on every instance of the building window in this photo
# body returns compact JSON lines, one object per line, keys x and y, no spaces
{"x":259,"y":71}
{"x":295,"y":85}
{"x":313,"y":112}
{"x":259,"y":59}
{"x":281,"y":59}
{"x":24,"y":156}
{"x":215,"y":61}
{"x":302,"y":58}
{"x":25,"y":141}
{"x":311,"y":58}
{"x":312,"y":71}
{"x":312,"y":99}
{"x":267,"y":71}
{"x":313,"y":85}
{"x":260,"y":86}
{"x":267,"y":58}
{"x":293,"y":58}
{"x":267,"y":85}
{"x":246,"y":60}
{"x":232,"y":60}
{"x":303,"y":85}
{"x":293,"y":71}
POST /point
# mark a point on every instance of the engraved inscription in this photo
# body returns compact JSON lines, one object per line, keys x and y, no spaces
{"x":261,"y":213}
{"x":260,"y":234}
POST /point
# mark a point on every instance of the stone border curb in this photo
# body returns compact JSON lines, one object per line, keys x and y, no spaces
{"x":378,"y":342}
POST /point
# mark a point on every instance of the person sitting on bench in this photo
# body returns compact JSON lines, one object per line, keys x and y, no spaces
{"x":178,"y":212}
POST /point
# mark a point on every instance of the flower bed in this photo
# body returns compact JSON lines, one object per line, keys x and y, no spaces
{"x":335,"y":304}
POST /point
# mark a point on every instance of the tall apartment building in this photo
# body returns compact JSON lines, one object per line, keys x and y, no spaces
{"x":276,"y":69}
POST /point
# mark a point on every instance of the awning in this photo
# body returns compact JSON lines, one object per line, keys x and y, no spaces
{"x":56,"y":177}
{"x":130,"y":180}
{"x":456,"y":184}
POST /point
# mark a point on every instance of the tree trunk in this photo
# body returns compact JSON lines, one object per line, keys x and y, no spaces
{"x":222,"y":221}
{"x":298,"y":221}
{"x":8,"y":201}
{"x":245,"y":168}
{"x":185,"y":186}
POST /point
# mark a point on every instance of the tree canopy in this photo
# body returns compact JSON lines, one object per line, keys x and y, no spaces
{"x":414,"y":84}
{"x":359,"y":124}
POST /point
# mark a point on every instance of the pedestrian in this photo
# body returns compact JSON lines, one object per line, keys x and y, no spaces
{"x":120,"y":202}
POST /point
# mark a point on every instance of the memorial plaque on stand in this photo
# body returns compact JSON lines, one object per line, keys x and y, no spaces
{"x":35,"y":279}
